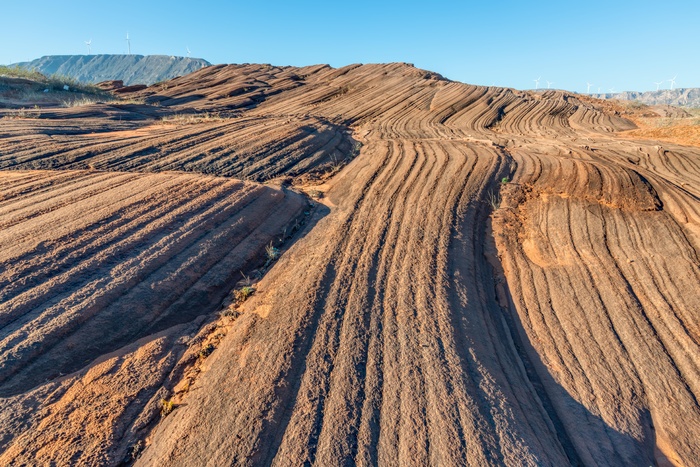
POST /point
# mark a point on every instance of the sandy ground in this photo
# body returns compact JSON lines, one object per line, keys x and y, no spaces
{"x":500,"y":278}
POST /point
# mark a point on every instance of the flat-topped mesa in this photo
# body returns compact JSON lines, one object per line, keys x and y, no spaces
{"x":130,"y":68}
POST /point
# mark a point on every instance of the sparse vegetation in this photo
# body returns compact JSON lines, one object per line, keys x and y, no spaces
{"x":190,"y":119}
{"x":335,"y":165}
{"x":163,"y":85}
{"x":505,"y":180}
{"x":682,"y":129}
{"x":231,"y":312}
{"x":166,"y":407}
{"x":494,"y":198}
{"x":23,"y":113}
{"x":82,"y":101}
{"x":695,"y":116}
{"x":135,"y":451}
{"x":52,"y":82}
{"x":636,"y":105}
{"x":242,"y":294}
{"x":272,"y":252}
{"x":17,"y":72}
{"x":206,"y":351}
{"x":18,"y":86}
{"x":134,"y":101}
{"x":246,"y":280}
{"x":316,"y":194}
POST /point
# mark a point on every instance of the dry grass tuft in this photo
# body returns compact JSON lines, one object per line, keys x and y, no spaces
{"x":83,"y":101}
{"x":192,"y":119}
{"x":23,"y":113}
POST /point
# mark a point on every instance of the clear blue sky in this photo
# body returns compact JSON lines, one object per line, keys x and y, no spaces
{"x":625,"y":45}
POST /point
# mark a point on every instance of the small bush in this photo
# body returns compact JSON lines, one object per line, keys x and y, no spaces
{"x":272,"y":252}
{"x":242,"y":294}
{"x":166,"y":407}
{"x":206,"y":351}
{"x":231,"y":312}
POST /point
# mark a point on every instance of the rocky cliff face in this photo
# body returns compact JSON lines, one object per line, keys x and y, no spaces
{"x":131,"y":69}
{"x":684,"y":97}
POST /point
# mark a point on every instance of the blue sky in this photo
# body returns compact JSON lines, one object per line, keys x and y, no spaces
{"x":624,"y":45}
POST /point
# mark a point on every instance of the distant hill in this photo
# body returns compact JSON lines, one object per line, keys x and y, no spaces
{"x":683,"y":97}
{"x":132,"y":69}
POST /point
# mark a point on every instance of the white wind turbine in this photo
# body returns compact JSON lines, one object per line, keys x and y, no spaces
{"x":188,"y":51}
{"x":549,"y":83}
{"x":128,"y":43}
{"x":673,"y":81}
{"x":588,"y":87}
{"x":537,"y":82}
{"x":598,"y":89}
{"x":658,"y":84}
{"x":611,"y":90}
{"x":89,"y":43}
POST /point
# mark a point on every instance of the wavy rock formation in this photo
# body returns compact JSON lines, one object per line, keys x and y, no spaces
{"x":500,"y":279}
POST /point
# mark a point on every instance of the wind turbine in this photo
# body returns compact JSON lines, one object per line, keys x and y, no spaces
{"x":611,"y":90}
{"x":188,"y":51}
{"x":549,"y":83}
{"x":598,"y":89}
{"x":588,"y":88}
{"x":658,"y":84}
{"x":537,"y":82}
{"x":89,"y":43}
{"x":673,"y":81}
{"x":128,"y":43}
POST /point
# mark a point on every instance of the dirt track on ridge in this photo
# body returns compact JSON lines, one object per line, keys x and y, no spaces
{"x":411,"y":325}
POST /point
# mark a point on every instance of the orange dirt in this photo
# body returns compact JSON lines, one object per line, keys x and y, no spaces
{"x":656,"y":123}
{"x":678,"y":133}
{"x":430,"y":315}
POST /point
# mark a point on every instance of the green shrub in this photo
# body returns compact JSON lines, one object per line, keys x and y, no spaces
{"x":242,"y":294}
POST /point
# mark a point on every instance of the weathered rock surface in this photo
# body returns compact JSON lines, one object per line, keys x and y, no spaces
{"x":496,"y":278}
